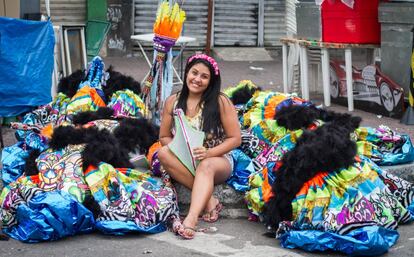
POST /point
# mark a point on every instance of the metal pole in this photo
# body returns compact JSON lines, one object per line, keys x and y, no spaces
{"x":209,"y":26}
{"x":285,"y":67}
{"x":260,"y":29}
{"x":325,"y":76}
{"x":304,"y":83}
{"x":349,"y":82}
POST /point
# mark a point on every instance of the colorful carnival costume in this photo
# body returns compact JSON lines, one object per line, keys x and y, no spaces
{"x":62,"y":197}
{"x":354,"y":210}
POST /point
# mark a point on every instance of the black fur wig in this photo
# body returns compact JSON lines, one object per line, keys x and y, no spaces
{"x":326,"y":148}
{"x":136,"y":135}
{"x":243,"y":95}
{"x":117,"y":81}
{"x":85,"y":117}
{"x":297,"y":116}
{"x":69,"y":85}
{"x":131,"y":135}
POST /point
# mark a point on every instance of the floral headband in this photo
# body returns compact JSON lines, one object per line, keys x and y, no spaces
{"x":207,"y":58}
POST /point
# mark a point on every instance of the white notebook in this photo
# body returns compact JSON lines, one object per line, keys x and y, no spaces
{"x":186,"y":138}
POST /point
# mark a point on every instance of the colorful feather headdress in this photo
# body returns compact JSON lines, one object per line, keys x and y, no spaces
{"x":169,"y":22}
{"x":167,"y":29}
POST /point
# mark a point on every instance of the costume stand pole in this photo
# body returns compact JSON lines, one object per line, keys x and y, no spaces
{"x":209,"y":26}
{"x":408,"y":117}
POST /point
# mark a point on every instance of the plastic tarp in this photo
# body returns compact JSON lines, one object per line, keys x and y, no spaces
{"x":364,"y":241}
{"x":50,"y":216}
{"x":26,"y":64}
{"x":243,"y":168}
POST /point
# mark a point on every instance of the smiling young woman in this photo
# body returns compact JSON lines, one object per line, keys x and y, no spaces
{"x":208,"y":110}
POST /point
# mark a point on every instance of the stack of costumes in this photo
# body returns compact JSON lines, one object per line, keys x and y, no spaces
{"x":73,"y":169}
{"x":312,"y":175}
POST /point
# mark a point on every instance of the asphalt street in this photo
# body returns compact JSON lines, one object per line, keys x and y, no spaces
{"x":234,"y":237}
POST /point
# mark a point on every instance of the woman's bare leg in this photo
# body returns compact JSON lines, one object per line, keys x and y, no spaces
{"x":175,"y":168}
{"x":180,"y":173}
{"x":210,"y":171}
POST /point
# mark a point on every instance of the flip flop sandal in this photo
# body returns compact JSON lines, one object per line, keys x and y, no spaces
{"x":184,"y":235}
{"x":215,"y":213}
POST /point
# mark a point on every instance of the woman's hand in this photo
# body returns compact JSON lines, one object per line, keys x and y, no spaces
{"x":200,"y":153}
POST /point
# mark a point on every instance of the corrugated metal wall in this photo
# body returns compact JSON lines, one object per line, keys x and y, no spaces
{"x":290,"y":13}
{"x":279,"y":20}
{"x":144,"y":18}
{"x":66,"y":11}
{"x":236,"y":22}
{"x":195,"y":24}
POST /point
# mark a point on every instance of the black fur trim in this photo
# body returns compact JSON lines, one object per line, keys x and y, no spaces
{"x":130,"y":135}
{"x":295,"y":117}
{"x":69,"y":85}
{"x":104,"y":147}
{"x":328,"y":148}
{"x":85,"y":117}
{"x":117,"y":81}
{"x":66,"y":135}
{"x":30,"y":168}
{"x":136,"y":134}
{"x":92,"y":205}
{"x":243,"y":95}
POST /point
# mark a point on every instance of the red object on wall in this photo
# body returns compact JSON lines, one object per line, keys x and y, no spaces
{"x":341,"y":24}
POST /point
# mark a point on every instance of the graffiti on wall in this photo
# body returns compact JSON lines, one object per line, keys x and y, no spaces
{"x":117,"y":43}
{"x":114,"y":16}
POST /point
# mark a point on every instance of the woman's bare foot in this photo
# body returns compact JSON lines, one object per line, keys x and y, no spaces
{"x":211,"y":204}
{"x":212,"y":211}
{"x":188,"y":229}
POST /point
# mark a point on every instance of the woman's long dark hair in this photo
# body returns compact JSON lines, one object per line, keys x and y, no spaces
{"x":211,"y":109}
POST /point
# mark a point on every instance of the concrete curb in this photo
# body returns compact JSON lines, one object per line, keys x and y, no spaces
{"x":233,"y":201}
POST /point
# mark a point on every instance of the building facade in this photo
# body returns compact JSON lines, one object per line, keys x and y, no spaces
{"x":234,"y":22}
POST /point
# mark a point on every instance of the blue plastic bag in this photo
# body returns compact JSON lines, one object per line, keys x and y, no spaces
{"x":50,"y":216}
{"x":26,"y":64}
{"x":400,"y":155}
{"x":364,"y":241}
